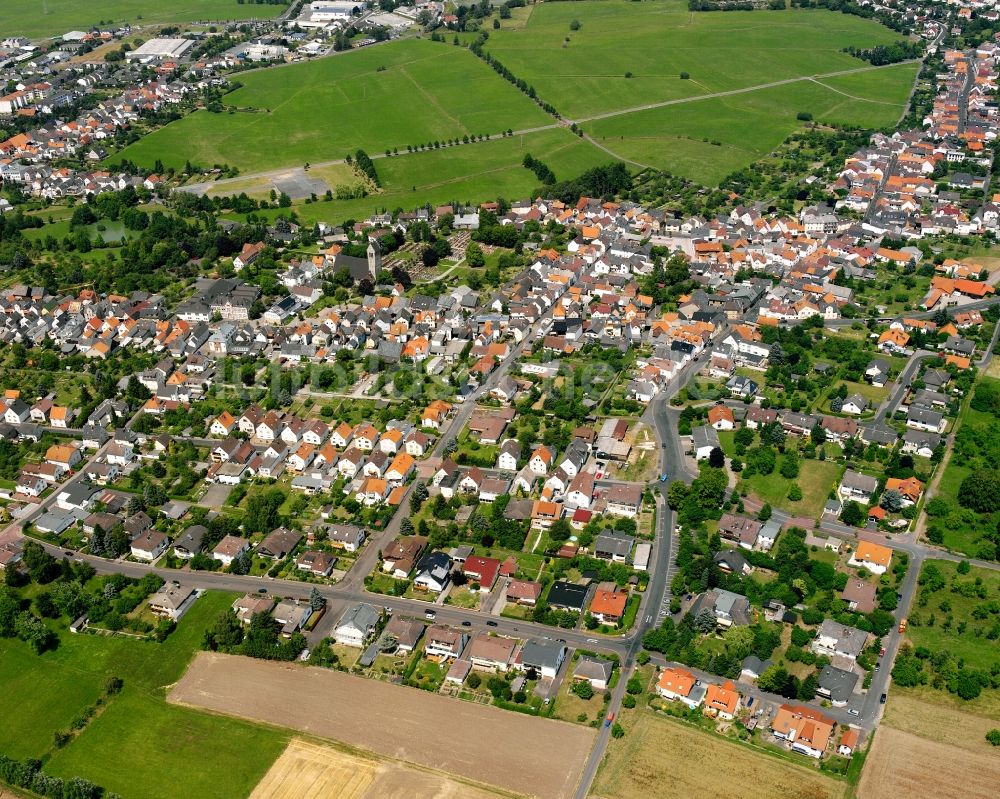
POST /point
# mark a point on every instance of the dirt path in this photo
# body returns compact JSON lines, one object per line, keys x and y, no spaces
{"x":532,"y":756}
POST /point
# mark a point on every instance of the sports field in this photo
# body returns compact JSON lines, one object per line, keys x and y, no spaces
{"x":36,"y":19}
{"x":405,"y":93}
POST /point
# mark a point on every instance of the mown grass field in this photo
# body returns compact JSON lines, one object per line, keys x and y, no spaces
{"x":816,"y":478}
{"x":26,"y":17}
{"x":467,"y":173}
{"x":657,"y":41}
{"x":170,"y":751}
{"x":707,"y":139}
{"x":406,"y":93}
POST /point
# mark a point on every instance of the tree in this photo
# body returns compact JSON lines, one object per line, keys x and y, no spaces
{"x":583,"y":689}
{"x":892,"y":501}
{"x":634,"y":686}
{"x":617,"y":730}
{"x":739,"y":641}
{"x":993,"y":736}
{"x":980,"y":491}
{"x":794,"y":492}
{"x":817,"y":435}
{"x":705,"y":621}
{"x":677,"y":492}
{"x":764,"y":513}
{"x":716,"y":458}
{"x":316,"y":600}
{"x":852,"y":514}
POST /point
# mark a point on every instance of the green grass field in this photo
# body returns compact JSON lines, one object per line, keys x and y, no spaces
{"x":657,"y":41}
{"x":407,"y":93}
{"x":707,"y":139}
{"x":170,"y":751}
{"x":816,"y":478}
{"x":978,"y":651}
{"x":26,"y":17}
{"x":468,"y":173}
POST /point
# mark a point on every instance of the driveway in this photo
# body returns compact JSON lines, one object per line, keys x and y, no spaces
{"x":216,"y":496}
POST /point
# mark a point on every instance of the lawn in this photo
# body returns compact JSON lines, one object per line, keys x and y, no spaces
{"x":816,"y":478}
{"x":950,"y":609}
{"x":656,"y":42}
{"x":22,"y":17}
{"x":407,"y":93}
{"x":167,"y":742}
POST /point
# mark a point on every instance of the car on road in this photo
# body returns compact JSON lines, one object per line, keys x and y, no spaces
{"x":491,"y":624}
{"x":881,"y":652}
{"x":261,"y":590}
{"x":663,"y":477}
{"x":609,"y":719}
{"x":663,"y":445}
{"x":881,"y":699}
{"x":902,"y":626}
{"x":854,"y":712}
{"x":878,"y":665}
{"x":466,"y":623}
{"x":429,"y":614}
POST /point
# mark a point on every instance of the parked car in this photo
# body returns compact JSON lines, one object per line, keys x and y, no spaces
{"x":881,"y":699}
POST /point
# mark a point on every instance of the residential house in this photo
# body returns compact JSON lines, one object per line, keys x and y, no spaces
{"x":230,"y":548}
{"x":357,"y":625}
{"x":871,"y":556}
{"x":680,"y":685}
{"x":805,"y":728}
{"x":858,"y":487}
{"x":834,"y":638}
{"x":433,"y":573}
{"x":544,"y":656}
{"x":722,"y":701}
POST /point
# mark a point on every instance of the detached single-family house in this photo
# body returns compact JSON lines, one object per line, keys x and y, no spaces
{"x":357,"y":625}
{"x":871,"y":556}
{"x":433,"y":573}
{"x":806,"y":729}
{"x":680,"y":685}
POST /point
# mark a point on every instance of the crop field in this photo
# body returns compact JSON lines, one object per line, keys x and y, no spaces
{"x":406,"y":93}
{"x":669,"y":760}
{"x":27,"y":18}
{"x":312,"y":770}
{"x":902,"y":764}
{"x":707,"y":139}
{"x":655,"y":42}
{"x":520,"y":754}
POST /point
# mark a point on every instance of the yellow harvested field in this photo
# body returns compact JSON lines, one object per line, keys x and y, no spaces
{"x":311,"y":771}
{"x":937,"y":722}
{"x":486,"y":745}
{"x":901,"y":764}
{"x":663,"y":759}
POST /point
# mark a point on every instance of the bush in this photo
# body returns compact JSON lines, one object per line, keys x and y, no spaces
{"x":993,"y":736}
{"x":628,"y":701}
{"x":804,"y":116}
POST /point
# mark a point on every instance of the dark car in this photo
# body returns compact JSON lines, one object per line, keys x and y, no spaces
{"x":491,"y":624}
{"x":68,"y":553}
{"x":878,"y":665}
{"x":261,"y":590}
{"x":466,"y":623}
{"x":881,"y":699}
